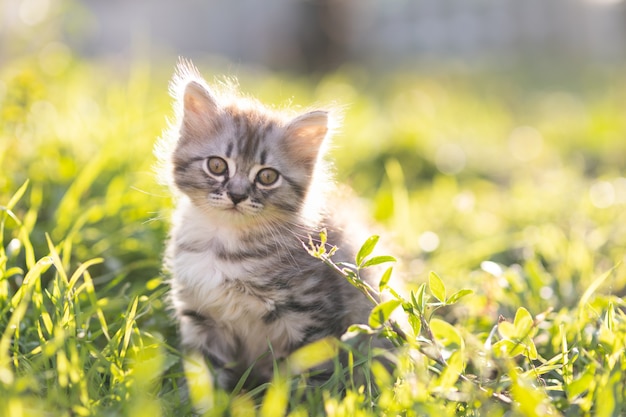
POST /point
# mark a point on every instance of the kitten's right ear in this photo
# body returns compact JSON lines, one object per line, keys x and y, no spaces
{"x":200,"y":110}
{"x":305,"y":135}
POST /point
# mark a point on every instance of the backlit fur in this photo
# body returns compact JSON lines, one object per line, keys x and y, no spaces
{"x":241,"y":280}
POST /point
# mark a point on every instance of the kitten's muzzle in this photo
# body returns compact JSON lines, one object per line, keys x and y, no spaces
{"x":236,"y":198}
{"x":237,"y":188}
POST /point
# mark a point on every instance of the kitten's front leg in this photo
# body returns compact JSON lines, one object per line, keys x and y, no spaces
{"x":222,"y":348}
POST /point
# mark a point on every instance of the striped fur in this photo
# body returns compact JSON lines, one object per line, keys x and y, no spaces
{"x":241,"y":279}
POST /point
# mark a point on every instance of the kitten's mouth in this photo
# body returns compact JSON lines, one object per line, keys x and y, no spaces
{"x":235,"y":208}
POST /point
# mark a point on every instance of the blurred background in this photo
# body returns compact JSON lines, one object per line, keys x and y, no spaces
{"x":321,"y":35}
{"x":486,"y":140}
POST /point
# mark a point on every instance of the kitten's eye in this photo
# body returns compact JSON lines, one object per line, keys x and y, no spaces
{"x":216,"y":165}
{"x":267,"y":176}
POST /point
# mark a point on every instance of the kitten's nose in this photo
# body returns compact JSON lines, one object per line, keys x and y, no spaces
{"x":236,"y":198}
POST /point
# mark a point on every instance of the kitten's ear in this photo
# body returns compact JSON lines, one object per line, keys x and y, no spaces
{"x":305,"y":135}
{"x":200,"y":110}
{"x":198,"y":100}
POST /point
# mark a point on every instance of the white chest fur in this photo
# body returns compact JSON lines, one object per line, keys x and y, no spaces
{"x":217,"y":287}
{"x":210,"y":280}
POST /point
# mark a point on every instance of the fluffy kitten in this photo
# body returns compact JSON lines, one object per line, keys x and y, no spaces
{"x":246,"y":179}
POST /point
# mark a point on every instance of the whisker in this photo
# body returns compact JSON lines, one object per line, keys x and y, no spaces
{"x":132,"y":187}
{"x":154,"y":219}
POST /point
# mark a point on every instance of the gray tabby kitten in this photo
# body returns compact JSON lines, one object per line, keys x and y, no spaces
{"x":249,"y":183}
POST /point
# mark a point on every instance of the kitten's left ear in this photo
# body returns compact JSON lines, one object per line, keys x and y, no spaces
{"x":198,"y":100}
{"x":305,"y":135}
{"x":200,"y":110}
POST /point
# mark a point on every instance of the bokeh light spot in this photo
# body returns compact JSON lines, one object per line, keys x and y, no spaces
{"x":546,"y":292}
{"x":602,"y":194}
{"x":428,"y":241}
{"x":492,"y":268}
{"x":33,"y":12}
{"x":465,"y":201}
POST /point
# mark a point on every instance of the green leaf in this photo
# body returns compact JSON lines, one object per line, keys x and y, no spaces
{"x":384,"y":280}
{"x":199,"y":382}
{"x":530,"y":400}
{"x":128,"y":326}
{"x":381,"y":312}
{"x":450,"y":373}
{"x":366,"y":249}
{"x":507,"y":348}
{"x":17,"y":196}
{"x":381,"y":375}
{"x":242,"y":405}
{"x":507,"y":330}
{"x":531,"y":349}
{"x":514,"y":347}
{"x":377,"y":260}
{"x":361,"y":328}
{"x":416,"y":324}
{"x":81,"y":270}
{"x":436,"y":286}
{"x":323,"y":238}
{"x":312,"y":355}
{"x":523,"y":323}
{"x":446,"y":334}
{"x":585,"y":383}
{"x":276,"y":399}
{"x":419,"y":298}
{"x":609,"y":317}
{"x":454,"y":298}
{"x":584,"y":299}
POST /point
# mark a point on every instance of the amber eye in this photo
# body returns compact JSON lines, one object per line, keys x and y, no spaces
{"x":267,"y":176}
{"x":216,"y":165}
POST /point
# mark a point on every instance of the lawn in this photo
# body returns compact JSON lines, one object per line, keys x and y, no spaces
{"x":501,"y":193}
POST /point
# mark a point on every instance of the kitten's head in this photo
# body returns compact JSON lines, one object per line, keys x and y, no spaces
{"x":239,"y":160}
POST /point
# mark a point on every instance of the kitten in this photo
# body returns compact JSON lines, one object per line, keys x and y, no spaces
{"x":249,"y":183}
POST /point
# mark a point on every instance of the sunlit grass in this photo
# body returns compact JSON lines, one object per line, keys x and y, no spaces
{"x":512,"y":188}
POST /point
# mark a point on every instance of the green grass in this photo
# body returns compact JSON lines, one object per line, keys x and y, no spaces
{"x":532,"y":220}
